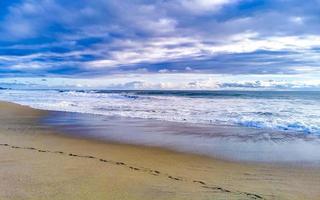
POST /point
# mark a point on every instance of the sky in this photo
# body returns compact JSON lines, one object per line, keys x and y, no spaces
{"x":160,"y":44}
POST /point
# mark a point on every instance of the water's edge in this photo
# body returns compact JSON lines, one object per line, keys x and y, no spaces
{"x":223,"y":142}
{"x":275,"y":111}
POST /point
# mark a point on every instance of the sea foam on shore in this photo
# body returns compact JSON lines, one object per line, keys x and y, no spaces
{"x":294,"y":112}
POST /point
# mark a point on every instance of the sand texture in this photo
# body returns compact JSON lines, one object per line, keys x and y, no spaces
{"x":37,"y":162}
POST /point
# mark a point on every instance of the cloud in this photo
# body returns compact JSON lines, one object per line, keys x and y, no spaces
{"x":200,"y":6}
{"x":270,"y":84}
{"x":172,"y":81}
{"x":96,"y":38}
{"x":211,"y":84}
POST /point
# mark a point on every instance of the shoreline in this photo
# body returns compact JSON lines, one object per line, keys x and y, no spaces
{"x":98,"y":169}
{"x":217,"y":142}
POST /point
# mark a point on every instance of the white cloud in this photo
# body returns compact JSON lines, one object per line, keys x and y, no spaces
{"x":298,"y":20}
{"x":173,"y":48}
{"x":198,"y":6}
{"x":180,"y":81}
{"x":163,"y":71}
{"x":146,"y":32}
{"x":29,"y":66}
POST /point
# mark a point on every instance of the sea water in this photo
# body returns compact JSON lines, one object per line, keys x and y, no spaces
{"x":294,"y":111}
{"x":235,"y":125}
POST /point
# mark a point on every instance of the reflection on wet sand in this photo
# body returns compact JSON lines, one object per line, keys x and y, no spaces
{"x":224,"y":142}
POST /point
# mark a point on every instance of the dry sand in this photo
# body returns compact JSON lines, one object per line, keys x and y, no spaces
{"x":36,"y":162}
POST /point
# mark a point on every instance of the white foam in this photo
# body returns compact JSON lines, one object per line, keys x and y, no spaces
{"x":297,"y":115}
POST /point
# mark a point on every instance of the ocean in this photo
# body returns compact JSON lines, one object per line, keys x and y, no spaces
{"x":259,"y":126}
{"x":297,"y":112}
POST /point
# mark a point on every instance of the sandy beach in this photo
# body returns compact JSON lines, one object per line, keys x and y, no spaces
{"x":38,"y":162}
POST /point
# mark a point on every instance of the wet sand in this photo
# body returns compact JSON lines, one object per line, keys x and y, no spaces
{"x":38,"y":162}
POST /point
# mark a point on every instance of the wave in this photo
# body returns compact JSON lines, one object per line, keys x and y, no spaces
{"x":210,"y":94}
{"x":288,"y":112}
{"x":288,"y":126}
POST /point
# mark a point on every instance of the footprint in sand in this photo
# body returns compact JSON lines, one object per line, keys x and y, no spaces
{"x":120,"y":163}
{"x":255,"y":196}
{"x":74,"y":155}
{"x":175,"y":178}
{"x":200,"y":182}
{"x":134,"y":168}
{"x":92,"y":157}
{"x":217,"y":189}
{"x":152,"y":172}
{"x":30,"y":148}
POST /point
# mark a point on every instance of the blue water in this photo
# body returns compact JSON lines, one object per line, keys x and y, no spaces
{"x":225,"y":142}
{"x":297,"y":112}
{"x":312,"y":95}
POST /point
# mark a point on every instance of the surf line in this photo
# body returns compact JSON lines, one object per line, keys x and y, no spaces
{"x":141,"y":169}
